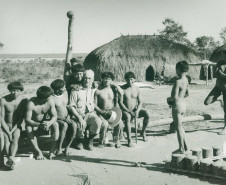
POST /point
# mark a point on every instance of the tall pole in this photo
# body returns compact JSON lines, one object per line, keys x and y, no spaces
{"x":67,"y":66}
{"x":207,"y":73}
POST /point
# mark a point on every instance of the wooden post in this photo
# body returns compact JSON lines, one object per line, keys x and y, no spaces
{"x":207,"y":73}
{"x":191,"y":162}
{"x":70,"y":15}
{"x":197,"y":152}
{"x":178,"y":161}
{"x":217,"y":168}
{"x":205,"y":165}
{"x":217,"y":150}
{"x":207,"y":152}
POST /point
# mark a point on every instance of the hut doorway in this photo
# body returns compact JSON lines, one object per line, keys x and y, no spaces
{"x":150,"y":73}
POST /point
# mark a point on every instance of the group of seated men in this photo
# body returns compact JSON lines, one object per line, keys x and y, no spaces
{"x":76,"y":110}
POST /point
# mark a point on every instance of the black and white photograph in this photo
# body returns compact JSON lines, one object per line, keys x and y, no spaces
{"x":112,"y":92}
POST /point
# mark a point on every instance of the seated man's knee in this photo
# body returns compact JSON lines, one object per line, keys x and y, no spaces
{"x":63,"y":125}
{"x":104,"y":124}
{"x":29,"y":129}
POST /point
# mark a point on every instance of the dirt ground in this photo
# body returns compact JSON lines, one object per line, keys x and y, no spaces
{"x":111,"y":166}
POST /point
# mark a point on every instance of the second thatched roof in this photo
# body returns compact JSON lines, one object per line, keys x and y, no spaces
{"x":219,"y":54}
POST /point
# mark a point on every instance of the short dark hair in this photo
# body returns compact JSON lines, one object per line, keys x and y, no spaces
{"x":44,"y":92}
{"x":183,"y":66}
{"x":57,"y":84}
{"x":73,"y":60}
{"x":78,"y":68}
{"x":108,"y":75}
{"x":129,"y":75}
{"x":15,"y":85}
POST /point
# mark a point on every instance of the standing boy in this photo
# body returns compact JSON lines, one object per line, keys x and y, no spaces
{"x":60,"y":98}
{"x":178,"y":104}
{"x":38,"y":110}
{"x":12,"y":114}
{"x":131,"y":106}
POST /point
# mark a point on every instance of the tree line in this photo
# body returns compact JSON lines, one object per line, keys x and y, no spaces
{"x":204,"y":45}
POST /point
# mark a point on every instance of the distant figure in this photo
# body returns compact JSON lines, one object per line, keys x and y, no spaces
{"x":60,"y":98}
{"x":68,"y":68}
{"x":177,"y":102}
{"x":12,"y":114}
{"x":220,"y":88}
{"x":41,"y":115}
{"x":131,"y":105}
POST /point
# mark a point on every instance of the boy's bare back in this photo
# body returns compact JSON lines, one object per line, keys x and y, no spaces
{"x":180,"y":88}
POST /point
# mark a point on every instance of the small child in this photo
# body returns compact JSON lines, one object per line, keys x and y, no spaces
{"x":220,"y":88}
{"x":177,"y":102}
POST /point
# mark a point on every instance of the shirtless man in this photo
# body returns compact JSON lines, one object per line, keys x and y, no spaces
{"x":82,"y":106}
{"x":177,"y":102}
{"x":131,"y":105}
{"x":60,"y":98}
{"x":106,"y":97}
{"x":12,"y":114}
{"x":38,"y":110}
{"x":1,"y":147}
{"x":220,"y":88}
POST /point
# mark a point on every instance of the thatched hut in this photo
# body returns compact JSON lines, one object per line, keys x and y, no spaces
{"x":219,"y":54}
{"x":145,"y":55}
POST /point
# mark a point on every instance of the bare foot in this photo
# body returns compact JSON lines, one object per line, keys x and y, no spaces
{"x":145,"y":139}
{"x":59,"y":152}
{"x":67,"y":151}
{"x":223,"y":132}
{"x":101,"y":144}
{"x":130,"y":143}
{"x":40,"y":157}
{"x":178,"y":151}
{"x":118,"y":144}
{"x":51,"y":156}
{"x":10,"y":164}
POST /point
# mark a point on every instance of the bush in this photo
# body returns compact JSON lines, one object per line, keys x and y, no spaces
{"x":36,"y":70}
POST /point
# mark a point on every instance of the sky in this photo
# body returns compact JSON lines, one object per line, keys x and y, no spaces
{"x":40,"y":26}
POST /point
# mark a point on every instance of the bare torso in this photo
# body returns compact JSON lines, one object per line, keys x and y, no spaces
{"x":10,"y":107}
{"x":130,"y":96}
{"x":183,"y":87}
{"x":221,"y":83}
{"x":61,"y":105}
{"x":105,"y":98}
{"x":39,"y":109}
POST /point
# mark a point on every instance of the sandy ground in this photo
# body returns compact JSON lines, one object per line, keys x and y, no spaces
{"x":115,"y":166}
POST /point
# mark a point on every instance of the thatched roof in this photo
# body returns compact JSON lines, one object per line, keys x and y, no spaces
{"x":219,"y":54}
{"x":136,"y":53}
